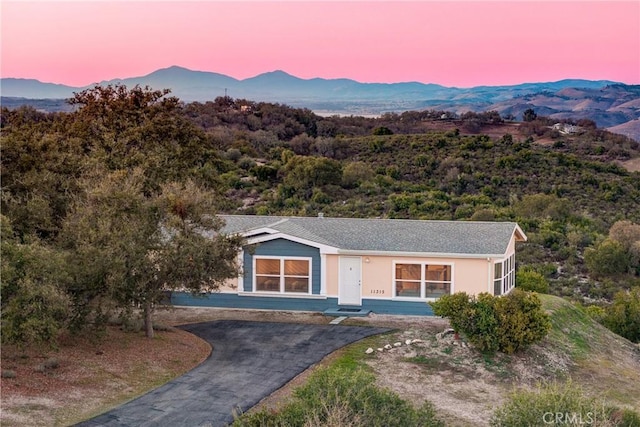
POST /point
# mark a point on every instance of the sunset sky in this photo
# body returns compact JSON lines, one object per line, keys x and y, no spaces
{"x":453,"y":43}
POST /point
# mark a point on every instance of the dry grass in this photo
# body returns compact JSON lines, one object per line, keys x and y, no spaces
{"x":632,"y":165}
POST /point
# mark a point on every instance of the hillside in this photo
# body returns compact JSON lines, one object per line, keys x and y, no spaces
{"x":607,"y":103}
{"x":466,"y":386}
{"x":630,"y":129}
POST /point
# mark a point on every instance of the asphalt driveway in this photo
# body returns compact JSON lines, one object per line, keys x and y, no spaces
{"x":250,"y":360}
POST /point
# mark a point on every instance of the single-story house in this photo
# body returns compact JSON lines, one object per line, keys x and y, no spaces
{"x":378,"y":265}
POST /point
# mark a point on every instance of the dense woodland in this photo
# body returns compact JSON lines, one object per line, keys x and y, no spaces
{"x":83,"y":191}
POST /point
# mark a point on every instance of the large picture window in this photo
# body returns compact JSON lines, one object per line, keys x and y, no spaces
{"x":504,"y":277}
{"x":422,"y":280}
{"x":283,"y":275}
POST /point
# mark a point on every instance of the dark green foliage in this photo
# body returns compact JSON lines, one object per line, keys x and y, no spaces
{"x":107,"y":206}
{"x":304,"y":174}
{"x":342,"y":395}
{"x":35,"y":307}
{"x":529,"y":115}
{"x":532,"y":281}
{"x":623,"y":315}
{"x":608,"y":258}
{"x":542,"y":206}
{"x":129,"y":247}
{"x":505,"y":324}
{"x":522,"y":321}
{"x":456,"y":307}
{"x":382,"y":130}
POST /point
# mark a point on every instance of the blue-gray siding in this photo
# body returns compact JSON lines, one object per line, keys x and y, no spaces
{"x":282,"y":248}
{"x":302,"y":304}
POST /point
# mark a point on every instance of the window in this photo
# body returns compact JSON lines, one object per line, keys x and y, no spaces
{"x":422,"y":280}
{"x":504,"y":275}
{"x":290,"y":275}
{"x":437,"y":280}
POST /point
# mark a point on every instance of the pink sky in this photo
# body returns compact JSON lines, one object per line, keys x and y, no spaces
{"x":453,"y":43}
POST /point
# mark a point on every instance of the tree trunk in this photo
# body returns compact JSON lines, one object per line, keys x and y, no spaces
{"x":148,"y":322}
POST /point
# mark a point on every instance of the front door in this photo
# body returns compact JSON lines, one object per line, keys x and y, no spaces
{"x":350,"y":281}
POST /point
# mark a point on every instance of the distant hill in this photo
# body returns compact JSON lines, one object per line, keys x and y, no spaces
{"x":608,"y":103}
{"x":630,"y":129}
{"x":34,"y":89}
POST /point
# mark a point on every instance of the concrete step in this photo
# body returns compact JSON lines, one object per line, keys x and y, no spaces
{"x":347,"y":312}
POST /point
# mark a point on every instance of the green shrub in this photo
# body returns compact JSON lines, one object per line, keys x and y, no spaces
{"x":382,"y":130}
{"x":505,"y":324}
{"x":483,"y":327}
{"x":596,"y":312}
{"x":607,"y":259}
{"x":35,"y":315}
{"x":522,"y":320}
{"x":455,"y":307}
{"x":625,"y":418}
{"x":558,"y":404}
{"x":532,"y":281}
{"x":343,"y":396}
{"x":623,"y":315}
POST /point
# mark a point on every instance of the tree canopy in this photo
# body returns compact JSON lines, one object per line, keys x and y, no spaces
{"x":107,"y":208}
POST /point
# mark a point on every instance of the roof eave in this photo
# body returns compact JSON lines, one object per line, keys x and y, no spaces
{"x":324,"y":249}
{"x":417,"y":254}
{"x":520,"y":236}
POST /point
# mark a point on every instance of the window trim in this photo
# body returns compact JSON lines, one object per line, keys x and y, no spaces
{"x":507,"y":278}
{"x":423,"y":281}
{"x":281,"y":275}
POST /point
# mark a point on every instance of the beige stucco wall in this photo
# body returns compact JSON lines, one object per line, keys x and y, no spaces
{"x":332,"y":272}
{"x":469,"y":275}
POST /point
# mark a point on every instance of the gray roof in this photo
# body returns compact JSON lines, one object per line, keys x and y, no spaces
{"x":386,"y":235}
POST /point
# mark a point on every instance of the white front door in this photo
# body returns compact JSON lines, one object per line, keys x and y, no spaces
{"x":350,"y":281}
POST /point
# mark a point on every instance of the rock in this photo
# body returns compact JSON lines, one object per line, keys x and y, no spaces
{"x":407,"y":342}
{"x":380,"y":349}
{"x":416,"y":341}
{"x":369,"y":350}
{"x":388,"y":347}
{"x":444,"y":333}
{"x":397,"y":344}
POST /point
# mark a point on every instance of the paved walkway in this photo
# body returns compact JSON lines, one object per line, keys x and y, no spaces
{"x":250,"y":360}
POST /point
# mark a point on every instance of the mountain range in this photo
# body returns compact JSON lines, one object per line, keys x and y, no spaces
{"x":610,"y":104}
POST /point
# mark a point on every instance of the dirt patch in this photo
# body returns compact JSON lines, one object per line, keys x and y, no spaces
{"x":464,"y":387}
{"x":87,"y":376}
{"x":175,"y":316}
{"x":632,"y":165}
